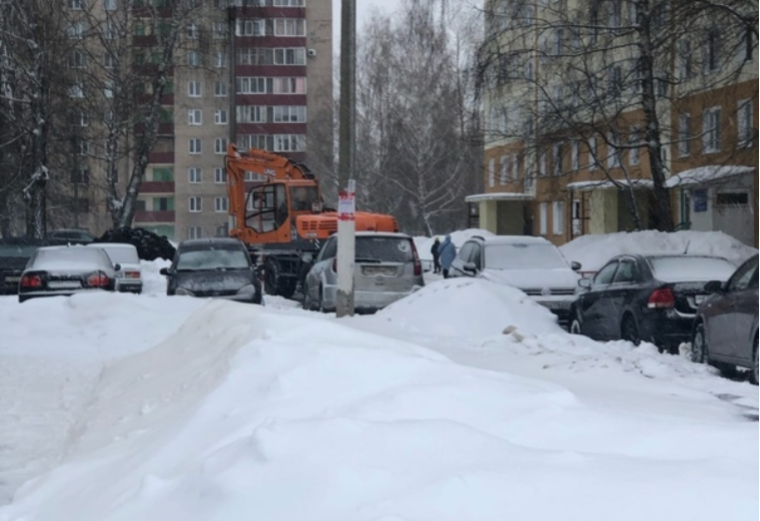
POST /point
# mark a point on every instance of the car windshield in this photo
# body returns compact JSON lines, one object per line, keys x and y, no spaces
{"x":19,"y":251}
{"x":521,"y":256}
{"x":121,"y":255}
{"x":384,"y":249}
{"x":212,"y":259}
{"x":70,"y":259}
{"x":685,"y":268}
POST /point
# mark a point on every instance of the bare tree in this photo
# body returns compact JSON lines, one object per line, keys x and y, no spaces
{"x":605,"y":73}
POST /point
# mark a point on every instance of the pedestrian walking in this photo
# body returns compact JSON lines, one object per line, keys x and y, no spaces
{"x":448,"y":253}
{"x":435,"y":251}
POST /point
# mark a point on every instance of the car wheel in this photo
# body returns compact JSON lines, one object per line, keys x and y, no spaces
{"x":305,"y":303}
{"x":321,"y":301}
{"x":575,"y":327}
{"x":699,"y":353}
{"x":630,"y":331}
{"x":753,"y":374}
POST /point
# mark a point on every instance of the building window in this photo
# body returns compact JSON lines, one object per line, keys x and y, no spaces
{"x":543,"y":215}
{"x":194,"y":58}
{"x":220,"y":176}
{"x":220,"y":145}
{"x":251,"y":114}
{"x":219,"y":30}
{"x":80,"y":119}
{"x":711,"y":51}
{"x":542,"y":162}
{"x":194,"y":175}
{"x":193,"y":31}
{"x":286,"y":114}
{"x":220,"y":60}
{"x":613,"y":154}
{"x":592,"y":153}
{"x":250,"y":28}
{"x":76,"y":31}
{"x":194,"y":145}
{"x":194,"y":232}
{"x":289,"y":143}
{"x":504,"y":177}
{"x":220,"y":117}
{"x":194,"y":89}
{"x":731,"y":199}
{"x":575,"y":152}
{"x":80,"y":176}
{"x":223,"y":230}
{"x":109,"y":32}
{"x":81,"y":147}
{"x":614,"y":8}
{"x":220,"y":89}
{"x":684,"y":134}
{"x":110,"y":5}
{"x":744,"y":123}
{"x":195,"y":117}
{"x":163,"y":204}
{"x":684,"y":59}
{"x":194,"y":204}
{"x":77,"y":60}
{"x":711,"y":130}
{"x":109,"y":61}
{"x":634,"y":140}
{"x":558,"y":217}
{"x":221,"y":204}
{"x":557,"y":159}
{"x":76,"y":91}
{"x":491,"y":172}
{"x":163,"y":173}
{"x":290,"y":27}
{"x":516,"y":167}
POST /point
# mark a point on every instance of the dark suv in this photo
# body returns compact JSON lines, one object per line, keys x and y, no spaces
{"x":725,"y":330}
{"x":218,"y":268}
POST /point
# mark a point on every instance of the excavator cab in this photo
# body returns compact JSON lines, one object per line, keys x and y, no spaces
{"x":272,"y":208}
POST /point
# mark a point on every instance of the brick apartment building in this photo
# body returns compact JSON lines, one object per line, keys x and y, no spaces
{"x":560,"y":185}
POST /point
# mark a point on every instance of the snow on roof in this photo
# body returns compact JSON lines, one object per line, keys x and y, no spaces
{"x":499,"y":196}
{"x":515,"y":239}
{"x":706,"y":174}
{"x":581,"y":186}
{"x":593,"y":251}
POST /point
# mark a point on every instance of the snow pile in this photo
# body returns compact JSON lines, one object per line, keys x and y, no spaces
{"x":246,"y":414}
{"x":153,"y":282}
{"x":593,"y":251}
{"x":458,"y":238}
{"x":468,"y":307}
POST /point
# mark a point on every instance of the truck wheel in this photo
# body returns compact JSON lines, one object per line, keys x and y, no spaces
{"x":271,"y":276}
{"x":286,"y":286}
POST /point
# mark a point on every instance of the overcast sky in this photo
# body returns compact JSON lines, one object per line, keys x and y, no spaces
{"x":363,"y":10}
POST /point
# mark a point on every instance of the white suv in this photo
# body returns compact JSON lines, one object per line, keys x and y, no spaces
{"x":530,"y":264}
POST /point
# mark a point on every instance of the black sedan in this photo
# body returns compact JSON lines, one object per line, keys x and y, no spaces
{"x":725,"y":331}
{"x":650,"y":298}
{"x":14,"y":255}
{"x":219,"y":268}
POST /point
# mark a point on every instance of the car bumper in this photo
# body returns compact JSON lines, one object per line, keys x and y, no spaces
{"x":130,"y":287}
{"x":58,"y":293}
{"x":560,"y":306}
{"x":666,"y":328}
{"x":366,"y":301}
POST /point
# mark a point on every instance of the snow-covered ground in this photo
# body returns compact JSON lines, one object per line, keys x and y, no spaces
{"x":462,"y":402}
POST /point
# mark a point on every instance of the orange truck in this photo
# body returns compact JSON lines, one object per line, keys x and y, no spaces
{"x":278,"y":212}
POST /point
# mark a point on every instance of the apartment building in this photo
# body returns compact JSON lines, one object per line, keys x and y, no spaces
{"x":271,"y":90}
{"x":564,"y":153}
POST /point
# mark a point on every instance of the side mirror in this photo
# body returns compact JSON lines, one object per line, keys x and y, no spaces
{"x":584,"y":283}
{"x":470,"y":267}
{"x":714,"y":286}
{"x":164,"y":271}
{"x":576,"y":266}
{"x":117,"y":267}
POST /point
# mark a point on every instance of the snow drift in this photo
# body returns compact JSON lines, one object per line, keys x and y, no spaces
{"x":593,"y":251}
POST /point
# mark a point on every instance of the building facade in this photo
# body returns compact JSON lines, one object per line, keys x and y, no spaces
{"x":565,"y":105}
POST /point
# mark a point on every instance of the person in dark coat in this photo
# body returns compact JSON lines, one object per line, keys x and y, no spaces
{"x":436,"y":255}
{"x":448,"y":253}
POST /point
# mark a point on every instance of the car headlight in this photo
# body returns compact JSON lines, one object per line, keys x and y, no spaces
{"x":250,"y":289}
{"x":184,"y":292}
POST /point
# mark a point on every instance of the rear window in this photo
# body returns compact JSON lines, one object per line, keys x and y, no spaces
{"x":19,"y":251}
{"x":70,"y":259}
{"x":121,"y":255}
{"x":384,"y":249}
{"x":212,"y":258}
{"x":690,"y":268}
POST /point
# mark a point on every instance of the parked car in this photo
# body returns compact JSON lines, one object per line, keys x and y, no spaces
{"x":531,"y":264}
{"x":129,"y":278}
{"x":219,"y":268}
{"x":387,"y":268}
{"x":71,"y":236}
{"x":725,"y":329}
{"x":646,"y":297}
{"x":66,"y":270}
{"x":14,"y":256}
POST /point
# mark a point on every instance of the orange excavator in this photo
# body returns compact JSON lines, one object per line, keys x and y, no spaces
{"x":279,"y":213}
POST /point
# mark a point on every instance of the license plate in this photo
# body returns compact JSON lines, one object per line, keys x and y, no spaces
{"x":12,"y":279}
{"x":378,"y":270}
{"x":64,"y":284}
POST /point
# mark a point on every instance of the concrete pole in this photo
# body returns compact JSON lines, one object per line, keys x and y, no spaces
{"x":344,"y":304}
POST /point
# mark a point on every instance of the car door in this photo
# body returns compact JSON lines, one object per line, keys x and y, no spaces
{"x":462,"y":258}
{"x":719,"y":326}
{"x":592,"y":303}
{"x":618,"y":297}
{"x":322,"y":262}
{"x":742,"y":317}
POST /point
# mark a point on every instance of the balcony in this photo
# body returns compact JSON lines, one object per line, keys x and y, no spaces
{"x":157,"y":187}
{"x":158,"y":216}
{"x":162,"y":157}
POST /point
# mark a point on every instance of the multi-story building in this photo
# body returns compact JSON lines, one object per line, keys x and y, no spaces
{"x":565,"y":152}
{"x":265,"y":87}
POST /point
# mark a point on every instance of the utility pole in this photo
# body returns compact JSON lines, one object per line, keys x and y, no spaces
{"x":346,"y":225}
{"x":232,"y":88}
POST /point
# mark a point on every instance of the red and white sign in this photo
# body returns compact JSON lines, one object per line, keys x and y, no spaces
{"x":346,"y":206}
